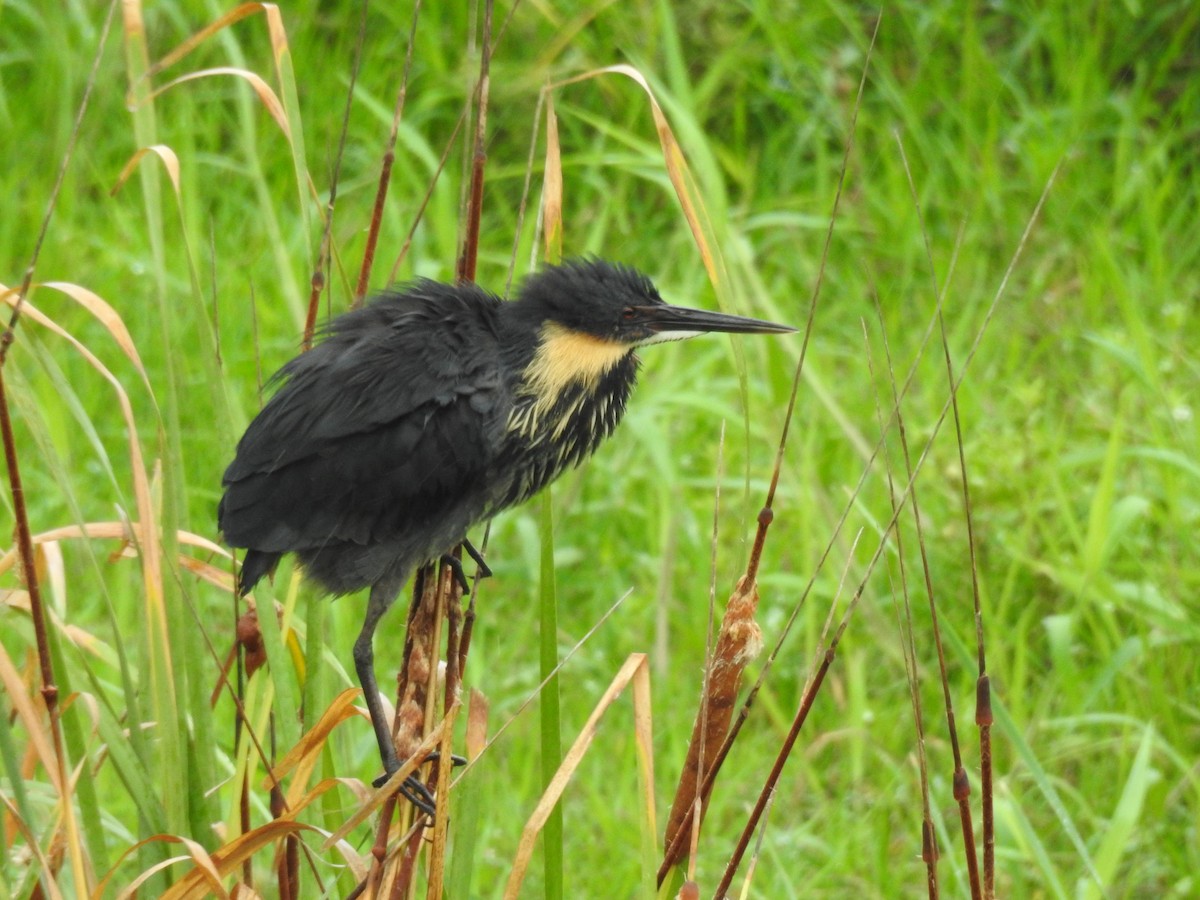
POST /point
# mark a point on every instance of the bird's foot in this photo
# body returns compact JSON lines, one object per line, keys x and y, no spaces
{"x":455,"y":759}
{"x":477,"y":557}
{"x":455,"y":565}
{"x":412,"y":788}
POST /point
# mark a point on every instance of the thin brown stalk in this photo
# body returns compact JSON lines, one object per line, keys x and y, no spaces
{"x":739,"y":642}
{"x":766,"y":514}
{"x":470,"y":252}
{"x":29,"y":572}
{"x":49,"y":689}
{"x":762,"y":832}
{"x":445,"y":156}
{"x":419,"y":669}
{"x":443,"y":768}
{"x":812,"y":308}
{"x":929,"y":853}
{"x":523,"y":205}
{"x":961,"y":781}
{"x":423,"y":205}
{"x":385,"y":168}
{"x":811,"y":689}
{"x":983,"y":699}
{"x":456,"y":654}
{"x":983,"y":713}
{"x":318,"y":282}
{"x":921,"y":460}
{"x":698,"y":803}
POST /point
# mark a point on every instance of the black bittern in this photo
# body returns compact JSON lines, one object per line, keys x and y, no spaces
{"x":430,"y":409}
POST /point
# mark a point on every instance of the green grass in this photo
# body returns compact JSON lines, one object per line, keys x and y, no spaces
{"x":1079,"y":412}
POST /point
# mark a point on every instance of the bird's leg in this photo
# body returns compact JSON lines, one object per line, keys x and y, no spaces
{"x":364,"y":665}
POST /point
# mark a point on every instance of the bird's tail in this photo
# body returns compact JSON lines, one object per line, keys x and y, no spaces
{"x":256,"y":564}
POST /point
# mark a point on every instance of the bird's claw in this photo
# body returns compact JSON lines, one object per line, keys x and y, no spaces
{"x":455,"y":760}
{"x":455,"y":565}
{"x":413,"y":789}
{"x":477,"y":558}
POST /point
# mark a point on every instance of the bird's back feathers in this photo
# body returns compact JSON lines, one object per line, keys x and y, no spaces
{"x":394,"y":412}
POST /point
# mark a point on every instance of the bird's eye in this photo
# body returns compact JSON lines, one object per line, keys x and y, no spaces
{"x":629,"y":314}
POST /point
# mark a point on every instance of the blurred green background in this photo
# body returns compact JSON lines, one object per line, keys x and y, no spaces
{"x":1079,"y":410}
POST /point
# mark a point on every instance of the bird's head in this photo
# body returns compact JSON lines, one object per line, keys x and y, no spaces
{"x":576,"y":328}
{"x":619,"y":306}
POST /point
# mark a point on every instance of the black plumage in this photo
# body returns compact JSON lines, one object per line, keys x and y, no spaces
{"x":429,"y":410}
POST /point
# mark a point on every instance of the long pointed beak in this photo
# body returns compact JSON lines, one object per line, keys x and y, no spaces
{"x":673,"y":323}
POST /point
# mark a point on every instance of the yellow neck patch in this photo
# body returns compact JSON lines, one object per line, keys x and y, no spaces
{"x":565,"y":356}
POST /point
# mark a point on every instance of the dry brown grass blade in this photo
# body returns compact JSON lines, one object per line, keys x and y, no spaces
{"x":165,"y":154}
{"x":32,"y":716}
{"x":739,"y":642}
{"x":109,"y":318}
{"x":380,"y":795}
{"x":49,"y":883}
{"x":103,"y":312}
{"x":635,"y":664}
{"x":301,"y":759}
{"x":441,"y":820}
{"x":84,"y":640}
{"x":566,"y":657}
{"x":150,"y":542}
{"x":677,"y":170}
{"x":129,"y":532}
{"x":552,"y":187}
{"x":643,"y":733}
{"x":205,"y":877}
{"x":477,"y":722}
{"x":275,"y":29}
{"x":205,"y":872}
{"x":261,"y":89}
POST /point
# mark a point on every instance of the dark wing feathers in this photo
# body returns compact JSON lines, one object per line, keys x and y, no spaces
{"x":397,"y":411}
